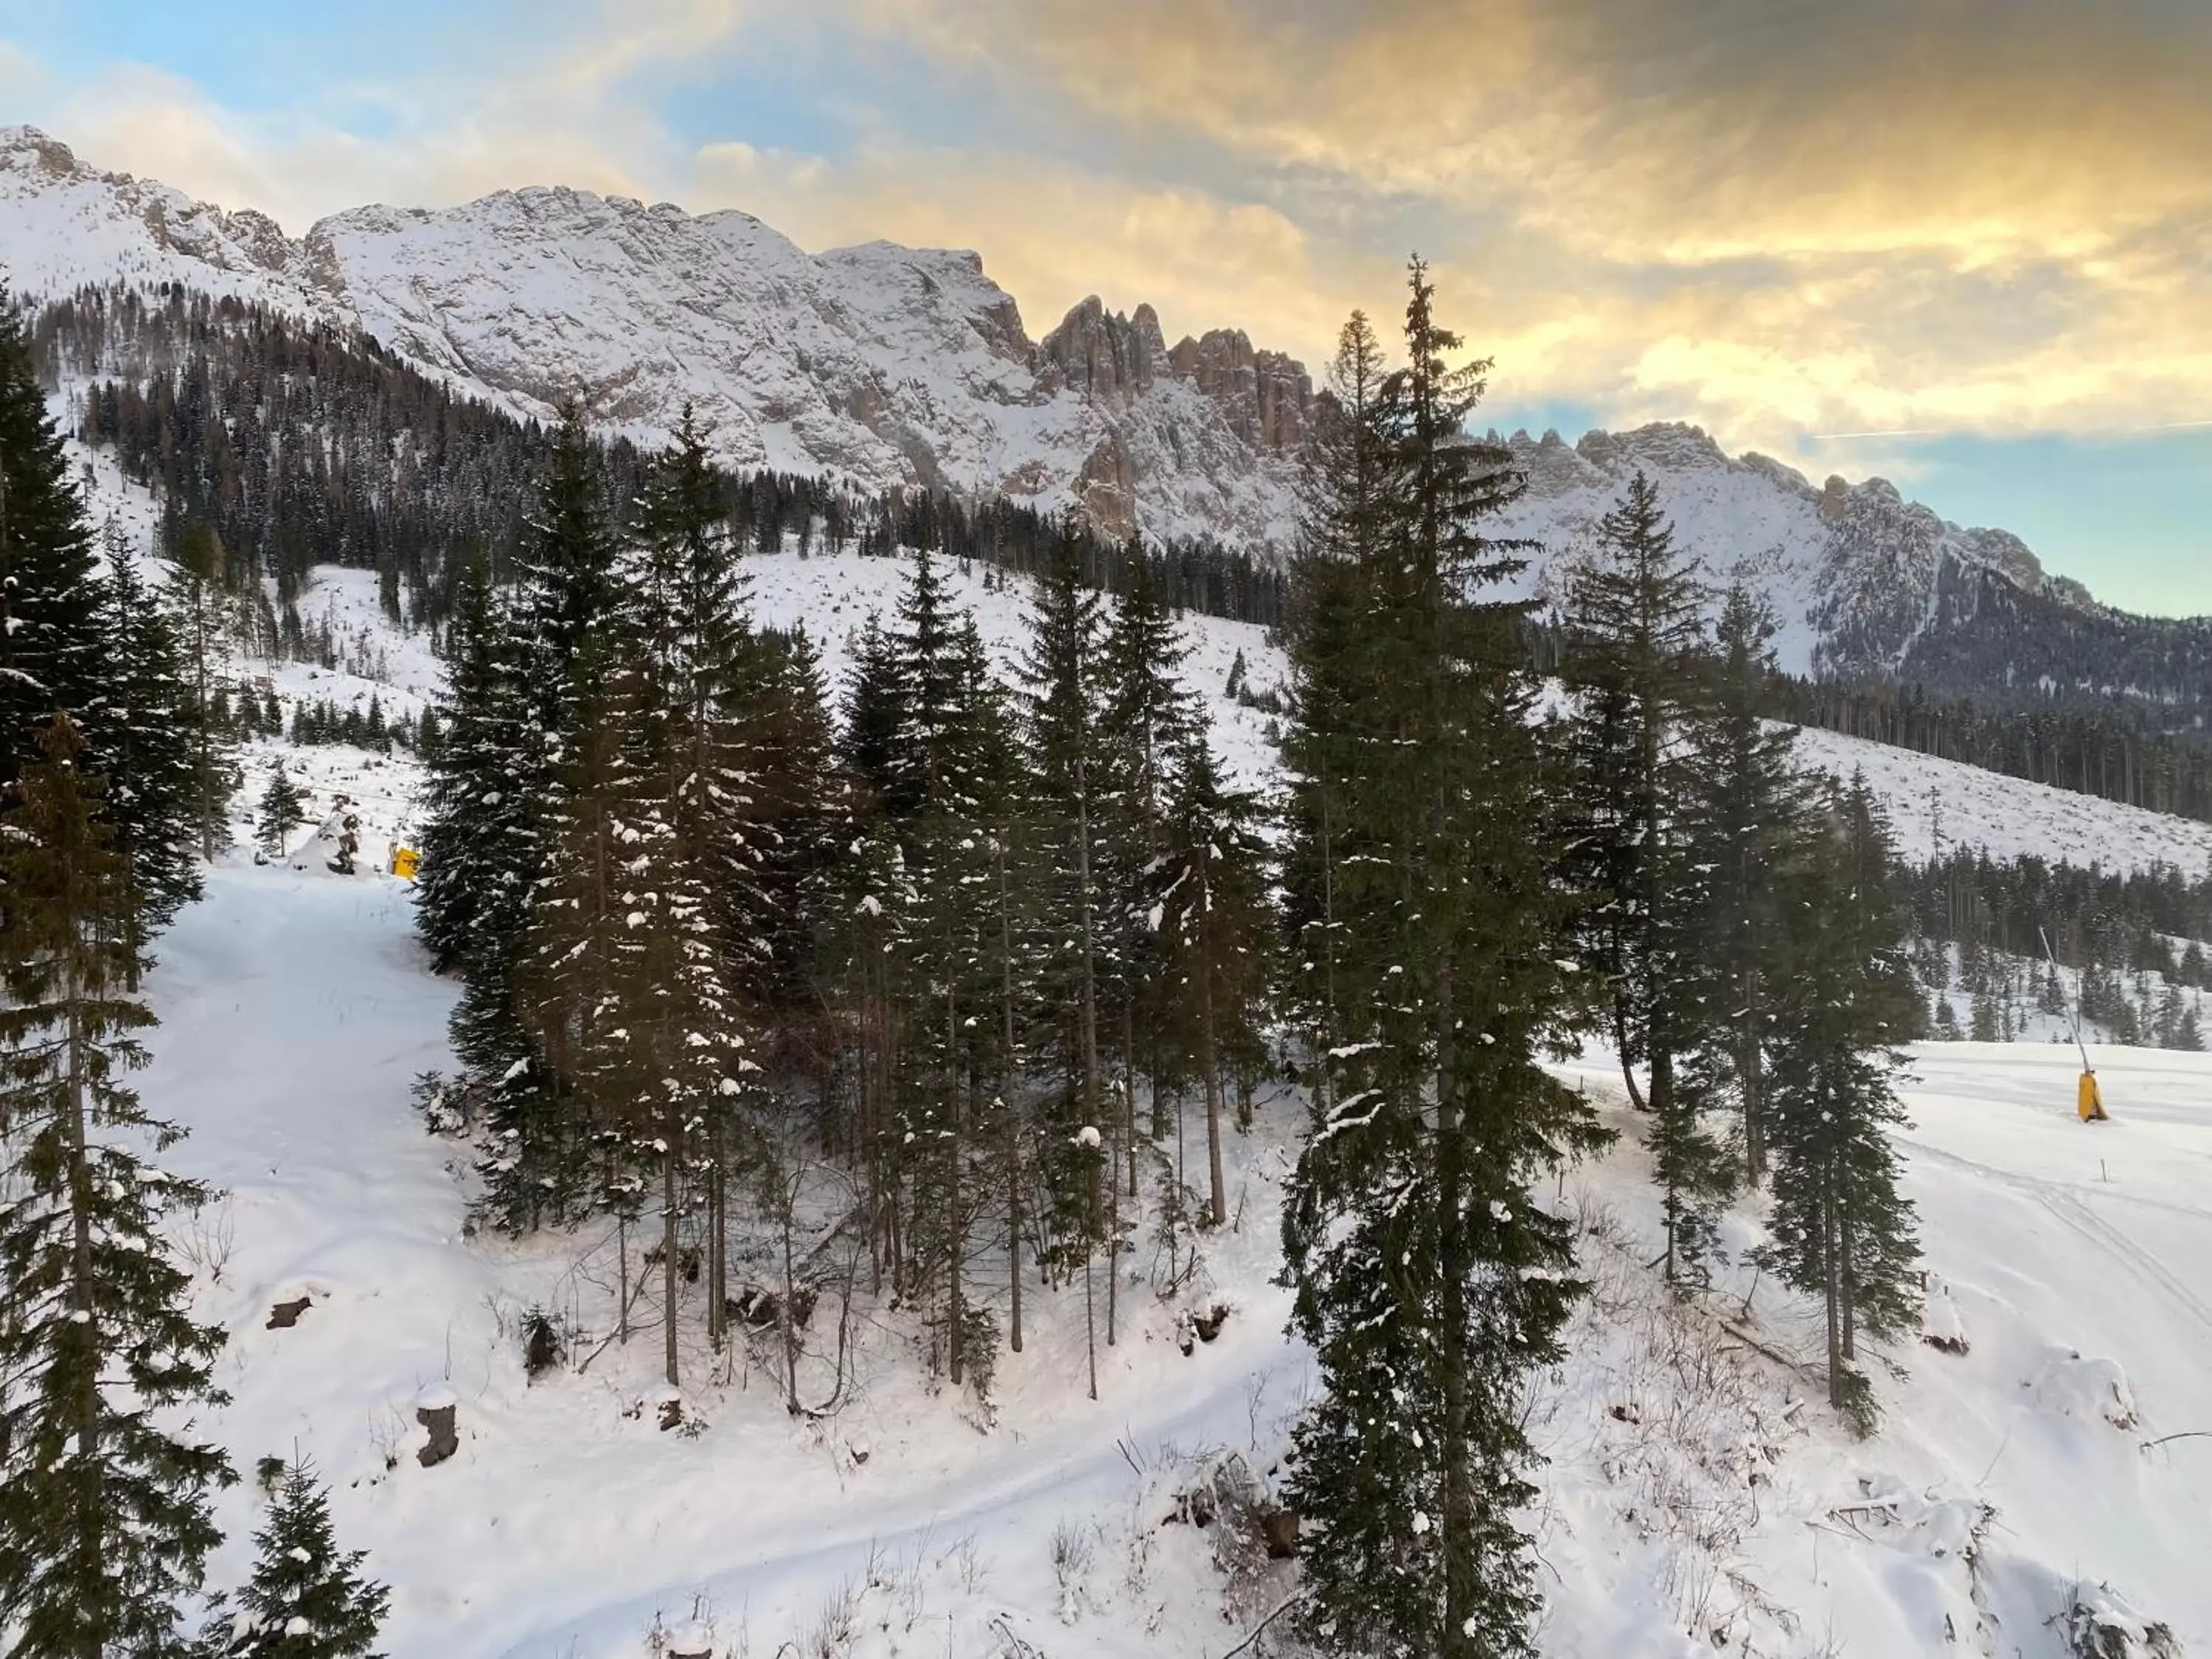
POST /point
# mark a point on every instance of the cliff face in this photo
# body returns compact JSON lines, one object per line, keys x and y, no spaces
{"x":882,"y":364}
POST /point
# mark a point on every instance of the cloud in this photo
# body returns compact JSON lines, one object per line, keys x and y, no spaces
{"x":1981,"y":214}
{"x":1774,"y":216}
{"x":1052,"y":234}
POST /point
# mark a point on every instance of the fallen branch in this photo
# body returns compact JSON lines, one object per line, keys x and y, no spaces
{"x":1757,"y":1345}
{"x":2186,"y":1434}
{"x":1254,"y":1635}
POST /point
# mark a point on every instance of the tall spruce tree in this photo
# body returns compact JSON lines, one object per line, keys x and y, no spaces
{"x":540,"y":658}
{"x":1746,"y":808}
{"x":1210,"y":898}
{"x":49,"y":604}
{"x":139,"y":736}
{"x":1840,"y":1231}
{"x":1148,"y":719}
{"x":198,"y":575}
{"x":1062,"y":674}
{"x":1428,"y":1281}
{"x":1636,"y":666}
{"x":104,"y":1494}
{"x":307,"y":1599}
{"x":1331,"y":660}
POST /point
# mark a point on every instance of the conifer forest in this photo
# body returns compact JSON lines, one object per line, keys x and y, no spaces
{"x":953,"y":993}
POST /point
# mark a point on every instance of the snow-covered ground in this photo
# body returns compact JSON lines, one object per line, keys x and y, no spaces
{"x":1699,"y":1500}
{"x":1695,"y":1485}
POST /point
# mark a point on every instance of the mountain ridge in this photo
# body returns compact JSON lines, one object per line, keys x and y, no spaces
{"x":890,"y":367}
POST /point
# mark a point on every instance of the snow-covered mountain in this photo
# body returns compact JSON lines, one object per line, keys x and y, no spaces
{"x":1856,"y":574}
{"x":898,"y":366}
{"x":887,"y":365}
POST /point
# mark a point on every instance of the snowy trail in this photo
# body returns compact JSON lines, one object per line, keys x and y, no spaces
{"x":294,"y":1010}
{"x":1010,"y":1515}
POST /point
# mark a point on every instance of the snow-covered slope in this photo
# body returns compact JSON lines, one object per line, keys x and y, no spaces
{"x":1698,"y":1502}
{"x":891,"y":366}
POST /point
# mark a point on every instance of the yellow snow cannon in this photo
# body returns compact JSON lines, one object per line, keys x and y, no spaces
{"x":405,"y":862}
{"x":2088,"y":1100}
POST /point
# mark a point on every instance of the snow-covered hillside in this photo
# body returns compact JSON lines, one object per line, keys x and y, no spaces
{"x":890,"y":366}
{"x":1852,"y":572}
{"x":1699,"y":1499}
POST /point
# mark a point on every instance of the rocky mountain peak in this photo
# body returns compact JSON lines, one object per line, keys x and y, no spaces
{"x":888,"y":366}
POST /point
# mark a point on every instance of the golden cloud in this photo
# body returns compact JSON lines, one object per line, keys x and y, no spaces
{"x":1773,"y":218}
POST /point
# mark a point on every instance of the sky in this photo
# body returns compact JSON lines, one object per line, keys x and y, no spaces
{"x":1966,"y":245}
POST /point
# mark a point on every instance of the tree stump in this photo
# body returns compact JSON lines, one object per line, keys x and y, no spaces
{"x":435,"y":1411}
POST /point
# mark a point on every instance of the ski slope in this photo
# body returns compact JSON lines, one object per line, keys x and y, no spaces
{"x":295,"y":1010}
{"x":1699,"y":1498}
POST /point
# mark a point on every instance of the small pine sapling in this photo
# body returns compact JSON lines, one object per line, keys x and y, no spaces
{"x":306,"y":1599}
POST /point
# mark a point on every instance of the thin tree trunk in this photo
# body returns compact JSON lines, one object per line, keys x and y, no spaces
{"x":1089,"y":967}
{"x":1217,"y":1186}
{"x":81,"y":1286}
{"x":1129,"y":1085}
{"x":1831,"y":1292}
{"x":1011,"y":1086}
{"x":672,"y":1128}
{"x":786,"y":1319}
{"x":1751,"y":1063}
{"x":718,"y":1255}
{"x":956,"y":1219}
{"x":1620,"y":1042}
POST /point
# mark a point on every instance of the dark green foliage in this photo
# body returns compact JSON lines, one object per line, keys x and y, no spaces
{"x":306,"y":1599}
{"x":282,"y":809}
{"x":1634,"y":667}
{"x":104,"y":1518}
{"x":140,"y":734}
{"x":1209,"y":893}
{"x":1428,"y":1282}
{"x":197,"y":578}
{"x":1745,"y":803}
{"x":1839,"y":1230}
{"x":50,"y":601}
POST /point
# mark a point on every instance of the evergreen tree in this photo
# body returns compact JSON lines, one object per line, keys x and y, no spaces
{"x":530,"y":681}
{"x":1147,"y":720}
{"x":1428,"y":1281}
{"x":1635,"y":667}
{"x":1746,"y":806}
{"x":50,"y":607}
{"x":1213,"y":919}
{"x":1839,"y":1230}
{"x":197,"y":573}
{"x":283,"y":809}
{"x":696,"y":697}
{"x":139,"y":737}
{"x":104,"y":1506}
{"x":1061,"y":671}
{"x":1332,"y":661}
{"x":306,"y":1599}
